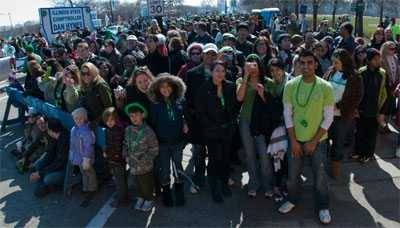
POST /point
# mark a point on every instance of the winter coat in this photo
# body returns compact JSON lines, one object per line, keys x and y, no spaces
{"x":115,"y":58}
{"x":114,"y":140}
{"x":96,"y":98}
{"x":374,"y":100}
{"x":156,"y":63}
{"x":268,"y":115}
{"x":217,"y":121}
{"x":195,"y":78}
{"x":351,"y":96}
{"x":176,"y":60}
{"x":81,"y":145}
{"x":60,"y":95}
{"x":140,"y":154}
{"x":56,"y":155}
{"x":167,"y":118}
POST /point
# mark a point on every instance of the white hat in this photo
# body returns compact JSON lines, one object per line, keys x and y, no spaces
{"x":210,"y":47}
{"x":132,"y":37}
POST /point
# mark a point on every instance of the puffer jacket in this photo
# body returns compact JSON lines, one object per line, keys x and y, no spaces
{"x":167,"y":117}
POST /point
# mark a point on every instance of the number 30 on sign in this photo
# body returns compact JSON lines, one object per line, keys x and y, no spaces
{"x":156,"y":7}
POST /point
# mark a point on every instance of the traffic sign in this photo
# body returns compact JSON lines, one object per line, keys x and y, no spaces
{"x":156,"y":7}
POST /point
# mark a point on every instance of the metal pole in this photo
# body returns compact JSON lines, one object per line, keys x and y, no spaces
{"x":111,"y":11}
{"x":9,"y":18}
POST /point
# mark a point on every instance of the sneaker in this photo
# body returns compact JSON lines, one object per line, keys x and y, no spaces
{"x":365,"y":159}
{"x":324,"y":216}
{"x":286,"y":207}
{"x":194,"y":189}
{"x":269,"y":194}
{"x":147,"y":205}
{"x":278,"y":197}
{"x":252,"y":193}
{"x":231,"y":182}
{"x":139,"y":203}
{"x":355,"y":156}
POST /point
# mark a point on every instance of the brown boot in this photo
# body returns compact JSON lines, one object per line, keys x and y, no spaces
{"x":335,"y":169}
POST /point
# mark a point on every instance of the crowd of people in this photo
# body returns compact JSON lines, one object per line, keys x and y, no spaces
{"x":223,"y":84}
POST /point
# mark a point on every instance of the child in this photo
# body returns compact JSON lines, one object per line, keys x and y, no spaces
{"x":140,"y":147}
{"x":82,"y":153}
{"x":113,"y":154}
{"x":166,"y":93}
{"x":34,"y":144}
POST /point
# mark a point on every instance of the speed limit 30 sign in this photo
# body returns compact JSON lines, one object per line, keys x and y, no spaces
{"x":156,"y":7}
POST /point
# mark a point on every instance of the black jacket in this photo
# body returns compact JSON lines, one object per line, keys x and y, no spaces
{"x":156,"y":63}
{"x":195,"y":77}
{"x":56,"y":156}
{"x":218,"y":121}
{"x":115,"y":58}
{"x":266,"y":116}
{"x":176,"y":60}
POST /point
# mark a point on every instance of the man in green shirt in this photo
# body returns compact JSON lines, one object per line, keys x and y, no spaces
{"x":308,"y":111}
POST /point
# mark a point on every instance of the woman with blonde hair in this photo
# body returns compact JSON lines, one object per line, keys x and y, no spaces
{"x":390,"y":63}
{"x":136,"y":89}
{"x":63,"y":90}
{"x":96,"y":94}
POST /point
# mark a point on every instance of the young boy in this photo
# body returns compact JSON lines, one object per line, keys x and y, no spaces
{"x":166,"y":94}
{"x":140,"y":147}
{"x":113,"y":154}
{"x":82,"y":153}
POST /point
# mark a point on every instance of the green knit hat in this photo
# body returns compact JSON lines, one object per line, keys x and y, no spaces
{"x":29,"y":48}
{"x":252,"y":57}
{"x":135,"y":106}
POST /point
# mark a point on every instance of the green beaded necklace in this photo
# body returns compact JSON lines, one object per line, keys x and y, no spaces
{"x":309,"y":95}
{"x":304,"y":122}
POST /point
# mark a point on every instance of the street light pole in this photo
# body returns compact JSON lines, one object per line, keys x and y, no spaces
{"x":9,"y":18}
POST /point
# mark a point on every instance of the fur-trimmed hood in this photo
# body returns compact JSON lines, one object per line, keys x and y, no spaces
{"x":178,"y":87}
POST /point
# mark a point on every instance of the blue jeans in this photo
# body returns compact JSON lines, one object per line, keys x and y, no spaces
{"x":318,"y":164}
{"x":338,"y":133}
{"x":260,"y":172}
{"x":50,"y":179}
{"x":167,"y":153}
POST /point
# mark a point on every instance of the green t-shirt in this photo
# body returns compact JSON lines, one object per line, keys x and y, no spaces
{"x":395,"y":30}
{"x":247,"y":105}
{"x":307,"y":118}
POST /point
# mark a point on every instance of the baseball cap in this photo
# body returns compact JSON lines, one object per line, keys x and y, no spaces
{"x":228,"y":36}
{"x":210,"y":47}
{"x":226,"y":49}
{"x":132,"y":37}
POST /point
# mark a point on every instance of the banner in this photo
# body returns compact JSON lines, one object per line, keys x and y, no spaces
{"x":57,"y":20}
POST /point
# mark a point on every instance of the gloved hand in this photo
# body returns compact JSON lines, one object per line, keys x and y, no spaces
{"x":86,"y":164}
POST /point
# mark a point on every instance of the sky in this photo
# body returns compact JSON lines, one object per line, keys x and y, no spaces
{"x":27,"y":10}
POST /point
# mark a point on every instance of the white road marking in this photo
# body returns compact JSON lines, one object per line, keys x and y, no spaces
{"x":356,"y":191}
{"x":102,"y":216}
{"x":390,"y":169}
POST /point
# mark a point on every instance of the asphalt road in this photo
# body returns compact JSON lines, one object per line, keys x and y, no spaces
{"x":365,"y":196}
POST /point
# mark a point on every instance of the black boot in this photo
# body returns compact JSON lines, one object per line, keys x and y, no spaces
{"x":167,"y":196}
{"x":179,"y":194}
{"x":215,"y":188}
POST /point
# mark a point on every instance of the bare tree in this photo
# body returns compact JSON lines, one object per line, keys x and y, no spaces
{"x":335,"y":3}
{"x":316,"y":4}
{"x":381,"y":11}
